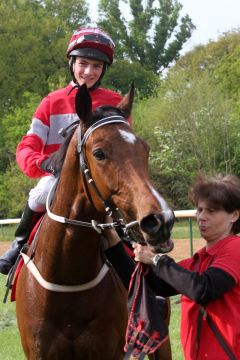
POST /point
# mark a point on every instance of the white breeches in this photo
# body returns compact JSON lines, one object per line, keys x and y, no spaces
{"x":38,"y":195}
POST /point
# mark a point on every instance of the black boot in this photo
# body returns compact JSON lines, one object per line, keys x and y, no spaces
{"x":28,"y":220}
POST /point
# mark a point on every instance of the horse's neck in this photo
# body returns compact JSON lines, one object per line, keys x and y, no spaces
{"x":70,"y":249}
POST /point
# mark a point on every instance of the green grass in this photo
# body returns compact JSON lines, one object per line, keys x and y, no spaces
{"x":7,"y":232}
{"x":10,"y":348}
{"x":174,"y":329}
{"x":181,"y":229}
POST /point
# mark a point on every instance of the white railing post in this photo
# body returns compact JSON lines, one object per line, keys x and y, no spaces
{"x":190,"y":215}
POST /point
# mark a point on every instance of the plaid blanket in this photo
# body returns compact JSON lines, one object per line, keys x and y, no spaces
{"x":146,"y":330}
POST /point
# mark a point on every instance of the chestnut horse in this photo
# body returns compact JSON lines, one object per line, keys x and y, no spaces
{"x":70,"y":303}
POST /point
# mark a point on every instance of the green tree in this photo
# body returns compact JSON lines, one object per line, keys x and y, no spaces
{"x":189,"y":127}
{"x":153,"y":36}
{"x":14,"y":185}
{"x":227,"y":71}
{"x":220,"y":58}
{"x":33,"y":41}
{"x":121,"y":74}
{"x":14,"y":191}
{"x":16,"y":123}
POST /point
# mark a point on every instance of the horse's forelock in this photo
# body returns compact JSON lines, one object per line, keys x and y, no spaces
{"x":105,"y":111}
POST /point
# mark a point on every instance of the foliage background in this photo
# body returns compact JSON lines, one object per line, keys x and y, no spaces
{"x":187,"y":108}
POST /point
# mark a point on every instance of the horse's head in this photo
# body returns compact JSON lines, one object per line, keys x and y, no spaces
{"x":117,"y":161}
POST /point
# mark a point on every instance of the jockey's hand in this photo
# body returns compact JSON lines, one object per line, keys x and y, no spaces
{"x":46,"y":166}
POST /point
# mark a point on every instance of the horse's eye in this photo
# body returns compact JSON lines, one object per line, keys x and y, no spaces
{"x":99,"y":154}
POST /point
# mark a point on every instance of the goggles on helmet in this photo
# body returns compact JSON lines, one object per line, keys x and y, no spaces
{"x":98,"y":38}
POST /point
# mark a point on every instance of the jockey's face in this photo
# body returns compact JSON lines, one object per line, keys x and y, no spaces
{"x":87,"y":71}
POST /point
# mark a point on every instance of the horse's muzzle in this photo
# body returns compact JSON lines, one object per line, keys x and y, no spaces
{"x":156,"y":230}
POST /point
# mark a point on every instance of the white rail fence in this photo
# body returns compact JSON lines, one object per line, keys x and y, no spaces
{"x":190,"y":215}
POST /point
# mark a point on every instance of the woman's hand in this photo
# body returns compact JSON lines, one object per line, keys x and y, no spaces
{"x":143,"y":254}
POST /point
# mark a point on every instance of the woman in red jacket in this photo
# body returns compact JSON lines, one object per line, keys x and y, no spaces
{"x":209,"y":282}
{"x":90,"y":51}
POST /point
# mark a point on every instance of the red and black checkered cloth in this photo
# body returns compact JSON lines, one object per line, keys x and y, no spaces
{"x":146,"y":330}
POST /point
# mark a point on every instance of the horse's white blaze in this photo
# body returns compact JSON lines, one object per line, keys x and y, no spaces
{"x":162,"y":202}
{"x":128,"y":136}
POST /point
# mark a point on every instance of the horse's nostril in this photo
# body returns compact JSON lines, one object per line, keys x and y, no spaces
{"x":150,"y":224}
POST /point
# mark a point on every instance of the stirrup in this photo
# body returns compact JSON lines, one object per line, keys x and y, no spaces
{"x":10,"y":278}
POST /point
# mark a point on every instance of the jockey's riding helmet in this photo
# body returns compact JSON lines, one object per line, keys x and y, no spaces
{"x":91,"y":43}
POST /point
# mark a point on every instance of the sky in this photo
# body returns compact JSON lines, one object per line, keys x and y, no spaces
{"x":211,"y":18}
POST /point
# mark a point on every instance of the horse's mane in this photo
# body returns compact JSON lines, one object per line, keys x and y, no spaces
{"x":105,"y":111}
{"x":57,"y":158}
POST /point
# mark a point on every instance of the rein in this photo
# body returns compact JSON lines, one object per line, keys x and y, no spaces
{"x":93,"y":224}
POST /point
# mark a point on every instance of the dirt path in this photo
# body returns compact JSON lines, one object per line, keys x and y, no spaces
{"x":182,"y":248}
{"x":4,"y":245}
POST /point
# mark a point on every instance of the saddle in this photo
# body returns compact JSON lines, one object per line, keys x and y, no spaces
{"x":14,"y":272}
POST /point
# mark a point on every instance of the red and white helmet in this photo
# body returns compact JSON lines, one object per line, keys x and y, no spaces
{"x":92,"y":43}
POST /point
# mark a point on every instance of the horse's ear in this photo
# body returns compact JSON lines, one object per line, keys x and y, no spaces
{"x":83,"y":104}
{"x":126,"y":103}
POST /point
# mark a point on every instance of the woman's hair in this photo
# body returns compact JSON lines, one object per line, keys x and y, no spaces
{"x":220,"y":192}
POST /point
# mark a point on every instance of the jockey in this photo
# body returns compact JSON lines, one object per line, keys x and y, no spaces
{"x":90,"y":51}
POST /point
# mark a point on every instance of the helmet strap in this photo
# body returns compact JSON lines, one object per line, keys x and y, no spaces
{"x":71,"y":62}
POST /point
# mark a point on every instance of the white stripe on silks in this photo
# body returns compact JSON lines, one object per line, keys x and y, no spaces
{"x":63,"y":288}
{"x":39,"y":129}
{"x":58,"y":122}
{"x":49,"y":135}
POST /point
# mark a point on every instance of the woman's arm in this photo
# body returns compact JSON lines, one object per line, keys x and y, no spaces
{"x":121,"y":261}
{"x":202,"y":288}
{"x":125,"y":266}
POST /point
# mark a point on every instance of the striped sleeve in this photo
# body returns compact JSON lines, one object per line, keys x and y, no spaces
{"x":29,"y":156}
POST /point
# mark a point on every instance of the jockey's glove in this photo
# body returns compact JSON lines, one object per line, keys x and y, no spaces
{"x":47,"y":166}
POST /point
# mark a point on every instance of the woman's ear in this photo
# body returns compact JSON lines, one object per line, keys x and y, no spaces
{"x":235,"y":216}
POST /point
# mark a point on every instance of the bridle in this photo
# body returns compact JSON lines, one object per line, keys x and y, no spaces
{"x":118,"y":221}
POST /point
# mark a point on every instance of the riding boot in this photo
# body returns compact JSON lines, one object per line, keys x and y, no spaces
{"x":28,"y":220}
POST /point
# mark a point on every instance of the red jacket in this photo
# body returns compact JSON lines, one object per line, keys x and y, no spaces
{"x":56,"y":111}
{"x":225,"y":313}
